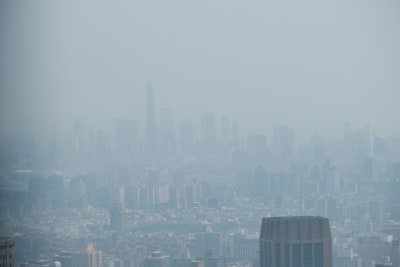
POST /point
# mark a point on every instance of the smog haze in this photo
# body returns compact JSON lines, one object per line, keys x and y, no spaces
{"x":311,"y":65}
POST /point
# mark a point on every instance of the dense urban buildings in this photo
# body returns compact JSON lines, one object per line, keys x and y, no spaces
{"x":152,"y":195}
{"x":298,"y":241}
{"x":161,"y":133}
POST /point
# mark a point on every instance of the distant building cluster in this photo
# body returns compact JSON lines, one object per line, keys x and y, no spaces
{"x":202,"y":194}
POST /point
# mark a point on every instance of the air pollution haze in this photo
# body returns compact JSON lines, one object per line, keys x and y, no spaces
{"x":311,"y":65}
{"x":199,"y":133}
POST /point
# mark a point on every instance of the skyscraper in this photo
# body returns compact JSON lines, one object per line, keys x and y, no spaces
{"x":117,"y":217}
{"x":150,"y":122}
{"x":87,"y":257}
{"x":300,"y":241}
{"x":6,"y":251}
{"x":395,"y":253}
{"x":207,"y":243}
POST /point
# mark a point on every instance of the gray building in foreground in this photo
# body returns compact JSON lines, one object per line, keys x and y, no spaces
{"x":299,"y":241}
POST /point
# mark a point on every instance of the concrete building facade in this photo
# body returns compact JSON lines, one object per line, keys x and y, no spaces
{"x":299,"y":241}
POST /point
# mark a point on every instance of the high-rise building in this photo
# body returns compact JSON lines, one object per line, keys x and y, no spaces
{"x":6,"y":251}
{"x":117,"y":217}
{"x":377,"y":211}
{"x":245,"y":248}
{"x":117,"y":196}
{"x":392,"y":228}
{"x":150,"y":122}
{"x":207,"y":243}
{"x":87,"y":257}
{"x":375,"y":247}
{"x":299,"y":241}
{"x":187,"y":137}
{"x":395,"y":253}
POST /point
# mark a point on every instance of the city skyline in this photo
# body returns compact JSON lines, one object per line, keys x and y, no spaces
{"x":200,"y":134}
{"x":295,"y":64}
{"x":262,"y":126}
{"x":155,"y":123}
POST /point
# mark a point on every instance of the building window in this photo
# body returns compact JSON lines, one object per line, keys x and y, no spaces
{"x":318,"y":254}
{"x":277,"y":255}
{"x":307,"y":254}
{"x":296,"y":255}
{"x":287,"y":255}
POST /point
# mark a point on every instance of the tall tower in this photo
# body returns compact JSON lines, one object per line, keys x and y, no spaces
{"x":150,"y":121}
{"x":300,"y":241}
{"x":6,"y":251}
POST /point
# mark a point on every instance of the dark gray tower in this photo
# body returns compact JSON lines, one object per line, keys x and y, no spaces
{"x":300,"y":241}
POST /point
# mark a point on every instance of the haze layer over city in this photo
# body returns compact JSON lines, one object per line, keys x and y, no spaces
{"x":163,"y":132}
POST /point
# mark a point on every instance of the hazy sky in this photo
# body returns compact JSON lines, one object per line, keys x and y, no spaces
{"x":308,"y":64}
